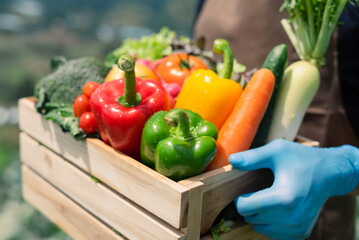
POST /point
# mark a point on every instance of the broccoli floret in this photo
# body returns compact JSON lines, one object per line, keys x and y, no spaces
{"x":65,"y":83}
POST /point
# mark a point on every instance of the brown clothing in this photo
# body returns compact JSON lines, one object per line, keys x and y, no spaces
{"x":253,"y":28}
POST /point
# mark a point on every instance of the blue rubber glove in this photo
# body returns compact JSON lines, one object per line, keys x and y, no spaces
{"x":304,"y":178}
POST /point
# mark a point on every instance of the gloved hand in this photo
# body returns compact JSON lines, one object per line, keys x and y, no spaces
{"x":304,"y":178}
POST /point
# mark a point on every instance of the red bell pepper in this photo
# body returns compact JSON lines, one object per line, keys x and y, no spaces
{"x":121,"y":111}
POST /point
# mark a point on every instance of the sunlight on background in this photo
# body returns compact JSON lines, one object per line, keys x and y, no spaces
{"x":31,"y":32}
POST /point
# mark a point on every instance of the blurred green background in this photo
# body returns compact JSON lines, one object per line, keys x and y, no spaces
{"x":31,"y":32}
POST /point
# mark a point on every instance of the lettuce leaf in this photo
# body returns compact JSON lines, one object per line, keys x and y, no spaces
{"x":62,"y":114}
{"x":151,"y":47}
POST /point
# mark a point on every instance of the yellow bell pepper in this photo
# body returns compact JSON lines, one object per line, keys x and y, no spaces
{"x":211,"y":96}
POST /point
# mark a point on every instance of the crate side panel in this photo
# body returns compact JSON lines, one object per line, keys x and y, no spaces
{"x":194,"y":213}
{"x":122,"y":173}
{"x":149,"y":188}
{"x":70,"y":217}
{"x":117,"y":211}
{"x":223,"y":185}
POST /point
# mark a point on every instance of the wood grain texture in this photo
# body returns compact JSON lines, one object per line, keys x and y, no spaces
{"x":118,"y":212}
{"x":194,"y":213}
{"x":223,"y":185}
{"x":61,"y":210}
{"x":122,"y":173}
{"x":81,"y":225}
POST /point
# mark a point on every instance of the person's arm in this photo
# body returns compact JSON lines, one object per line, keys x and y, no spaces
{"x":304,"y":178}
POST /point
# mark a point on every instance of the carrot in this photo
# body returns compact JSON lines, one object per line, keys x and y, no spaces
{"x":238,"y":131}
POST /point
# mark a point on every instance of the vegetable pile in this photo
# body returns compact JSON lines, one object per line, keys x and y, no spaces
{"x":152,"y":47}
{"x":56,"y":92}
{"x":165,"y":101}
{"x":122,"y":107}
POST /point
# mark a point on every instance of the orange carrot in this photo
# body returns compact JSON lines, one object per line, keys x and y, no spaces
{"x":238,"y":131}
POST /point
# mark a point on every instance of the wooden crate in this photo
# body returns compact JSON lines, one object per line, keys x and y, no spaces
{"x":129,"y":198}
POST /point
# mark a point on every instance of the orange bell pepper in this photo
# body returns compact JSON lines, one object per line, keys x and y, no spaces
{"x":210,"y":95}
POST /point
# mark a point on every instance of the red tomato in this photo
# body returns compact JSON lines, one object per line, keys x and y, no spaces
{"x":176,"y":67}
{"x":81,"y":105}
{"x":89,"y":88}
{"x":88,"y":123}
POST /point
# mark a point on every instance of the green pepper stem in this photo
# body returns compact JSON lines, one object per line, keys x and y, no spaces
{"x":221,"y":46}
{"x":130,"y":98}
{"x":178,"y":119}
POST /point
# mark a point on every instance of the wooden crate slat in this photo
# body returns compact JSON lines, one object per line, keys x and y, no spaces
{"x":118,"y":212}
{"x":222,"y":185}
{"x":81,"y":225}
{"x":61,"y":210}
{"x":194,"y":214}
{"x":125,"y":175}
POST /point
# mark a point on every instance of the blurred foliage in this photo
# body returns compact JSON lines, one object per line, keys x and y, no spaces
{"x":74,"y":29}
{"x":18,"y":220}
{"x":31,"y":32}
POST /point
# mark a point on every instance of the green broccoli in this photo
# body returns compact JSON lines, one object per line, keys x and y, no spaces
{"x":56,"y":92}
{"x":65,"y":83}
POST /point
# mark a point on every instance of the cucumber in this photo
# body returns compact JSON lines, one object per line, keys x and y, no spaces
{"x":276,"y":61}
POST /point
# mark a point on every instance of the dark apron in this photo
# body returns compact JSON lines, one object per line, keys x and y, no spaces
{"x":253,"y":28}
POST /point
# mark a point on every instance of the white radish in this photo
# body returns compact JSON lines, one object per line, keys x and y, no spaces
{"x":299,"y":85}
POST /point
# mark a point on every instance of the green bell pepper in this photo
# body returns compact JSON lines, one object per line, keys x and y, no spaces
{"x":178,"y":144}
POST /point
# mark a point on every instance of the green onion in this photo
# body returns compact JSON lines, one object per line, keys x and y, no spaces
{"x":310,"y":26}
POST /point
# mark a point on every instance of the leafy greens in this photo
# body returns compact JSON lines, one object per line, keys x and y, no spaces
{"x":151,"y":47}
{"x":310,"y":26}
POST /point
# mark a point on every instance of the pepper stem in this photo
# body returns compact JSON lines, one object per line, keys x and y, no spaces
{"x":130,"y":98}
{"x":178,"y":119}
{"x":221,"y":46}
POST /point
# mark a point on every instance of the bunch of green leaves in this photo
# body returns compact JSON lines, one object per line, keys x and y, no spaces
{"x":151,"y":47}
{"x":310,"y":26}
{"x":63,"y":115}
{"x":56,"y":92}
{"x":223,"y":226}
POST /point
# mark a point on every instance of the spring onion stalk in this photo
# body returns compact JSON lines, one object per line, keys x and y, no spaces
{"x":309,"y":27}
